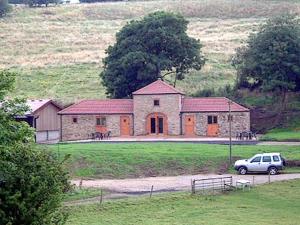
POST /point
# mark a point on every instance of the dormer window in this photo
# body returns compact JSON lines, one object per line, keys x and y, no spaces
{"x":156,"y":102}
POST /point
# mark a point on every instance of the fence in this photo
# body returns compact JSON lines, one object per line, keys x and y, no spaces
{"x":217,"y":184}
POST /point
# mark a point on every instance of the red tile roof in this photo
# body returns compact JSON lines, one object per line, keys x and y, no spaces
{"x":109,"y":106}
{"x":157,"y":87}
{"x":210,"y":104}
{"x":37,"y":104}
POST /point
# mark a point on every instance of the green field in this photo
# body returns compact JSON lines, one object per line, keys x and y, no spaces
{"x":276,"y":203}
{"x":58,"y":50}
{"x":123,"y":160}
{"x":289,"y":133}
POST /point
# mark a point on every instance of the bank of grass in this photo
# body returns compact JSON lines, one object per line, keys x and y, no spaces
{"x":289,"y":133}
{"x":276,"y":203}
{"x":58,"y":50}
{"x":125,"y":160}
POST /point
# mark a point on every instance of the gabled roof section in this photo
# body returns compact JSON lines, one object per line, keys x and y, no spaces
{"x":108,"y":106}
{"x":157,"y":87}
{"x":210,"y":104}
{"x":37,"y":104}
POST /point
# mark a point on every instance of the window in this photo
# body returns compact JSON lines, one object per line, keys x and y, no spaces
{"x":230,"y":117}
{"x":101,"y":121}
{"x":156,"y":102}
{"x":74,"y":120}
{"x":212,"y":119}
{"x":256,"y":159}
{"x":267,"y":159}
{"x":276,"y":158}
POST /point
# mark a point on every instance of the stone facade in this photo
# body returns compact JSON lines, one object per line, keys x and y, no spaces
{"x":240,"y":122}
{"x":169,"y":105}
{"x":86,"y":124}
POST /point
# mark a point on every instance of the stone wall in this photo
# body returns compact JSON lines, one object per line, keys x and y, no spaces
{"x":86,"y":124}
{"x":170,"y":105}
{"x":241,"y":122}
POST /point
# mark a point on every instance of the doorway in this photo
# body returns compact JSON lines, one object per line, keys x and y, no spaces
{"x":189,"y":122}
{"x":156,"y":124}
{"x":125,"y":125}
{"x":212,"y":126}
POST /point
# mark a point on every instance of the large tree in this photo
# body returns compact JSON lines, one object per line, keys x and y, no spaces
{"x":4,"y":7}
{"x":270,"y":60}
{"x":32,"y":180}
{"x":148,"y":49}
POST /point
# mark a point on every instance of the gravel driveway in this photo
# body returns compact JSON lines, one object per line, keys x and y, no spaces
{"x":176,"y":183}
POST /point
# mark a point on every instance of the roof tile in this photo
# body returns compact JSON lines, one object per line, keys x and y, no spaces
{"x":108,"y":106}
{"x":157,"y":87}
{"x":210,"y":104}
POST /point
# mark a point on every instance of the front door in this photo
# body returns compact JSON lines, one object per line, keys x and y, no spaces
{"x":156,"y":124}
{"x":212,"y":126}
{"x":189,"y":125}
{"x":125,"y":125}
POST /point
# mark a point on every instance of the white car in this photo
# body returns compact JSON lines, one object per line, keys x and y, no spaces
{"x":266,"y":162}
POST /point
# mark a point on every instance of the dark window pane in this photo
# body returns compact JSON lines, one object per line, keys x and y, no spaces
{"x":267,"y":159}
{"x":215,"y":119}
{"x":153,"y":125}
{"x":74,"y":120}
{"x":276,"y":158}
{"x":160,"y":125}
{"x":156,"y":102}
{"x":256,"y":159}
{"x":209,"y":120}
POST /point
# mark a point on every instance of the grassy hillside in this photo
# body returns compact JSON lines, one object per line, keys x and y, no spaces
{"x":58,"y":50}
{"x":107,"y":160}
{"x":276,"y":203}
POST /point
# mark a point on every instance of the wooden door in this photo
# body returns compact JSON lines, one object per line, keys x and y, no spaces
{"x":189,"y":125}
{"x":125,"y":125}
{"x":212,"y":130}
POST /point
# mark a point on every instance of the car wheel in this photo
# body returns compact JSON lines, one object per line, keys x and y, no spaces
{"x":273,"y":170}
{"x":242,"y":170}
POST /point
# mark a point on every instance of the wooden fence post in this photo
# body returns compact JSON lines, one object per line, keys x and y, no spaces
{"x":253,"y":181}
{"x":101,"y":196}
{"x":151,"y":191}
{"x":80,"y":183}
{"x":269,"y":176}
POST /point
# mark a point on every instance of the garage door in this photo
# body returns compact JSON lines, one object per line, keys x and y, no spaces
{"x":43,"y":136}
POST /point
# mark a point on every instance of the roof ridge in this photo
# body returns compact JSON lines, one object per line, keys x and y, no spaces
{"x":152,"y":85}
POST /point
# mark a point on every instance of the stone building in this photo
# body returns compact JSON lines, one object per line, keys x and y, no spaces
{"x":157,"y":109}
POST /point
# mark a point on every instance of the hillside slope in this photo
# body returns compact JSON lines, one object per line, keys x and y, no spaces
{"x":58,"y":50}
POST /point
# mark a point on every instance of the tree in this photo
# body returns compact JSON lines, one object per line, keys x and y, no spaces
{"x":270,"y":60}
{"x":148,"y":49}
{"x":32,"y":180}
{"x":4,"y":7}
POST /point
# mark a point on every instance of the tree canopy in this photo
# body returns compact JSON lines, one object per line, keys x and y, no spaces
{"x":270,"y":60}
{"x":32,"y":180}
{"x":148,"y":49}
{"x":4,"y":7}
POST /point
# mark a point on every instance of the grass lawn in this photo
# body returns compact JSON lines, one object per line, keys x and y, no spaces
{"x":276,"y":203}
{"x":123,"y":160}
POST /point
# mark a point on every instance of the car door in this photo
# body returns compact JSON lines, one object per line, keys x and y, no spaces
{"x":254,"y":164}
{"x":265,"y":163}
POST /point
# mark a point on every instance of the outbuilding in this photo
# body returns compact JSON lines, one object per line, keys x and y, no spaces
{"x":156,"y":109}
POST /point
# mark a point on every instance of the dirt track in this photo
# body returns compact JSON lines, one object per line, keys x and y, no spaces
{"x":176,"y":183}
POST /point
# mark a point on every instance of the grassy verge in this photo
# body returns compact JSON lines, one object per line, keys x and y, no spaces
{"x":277,"y":203}
{"x":123,"y":160}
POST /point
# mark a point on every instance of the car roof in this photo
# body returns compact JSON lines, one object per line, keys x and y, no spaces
{"x":268,"y":154}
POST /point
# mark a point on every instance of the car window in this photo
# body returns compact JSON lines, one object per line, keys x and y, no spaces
{"x":256,"y":159}
{"x":267,"y":159}
{"x":276,"y":158}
